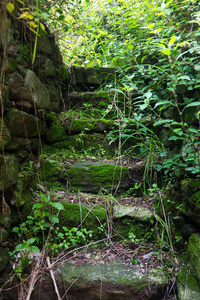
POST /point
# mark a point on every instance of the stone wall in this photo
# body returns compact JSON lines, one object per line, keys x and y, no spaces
{"x":27,"y":90}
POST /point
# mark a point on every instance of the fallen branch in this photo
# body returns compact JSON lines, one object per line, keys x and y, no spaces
{"x":53,"y":278}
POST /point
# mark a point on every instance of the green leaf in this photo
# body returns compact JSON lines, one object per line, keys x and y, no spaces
{"x":193,"y":130}
{"x":26,"y":15}
{"x":20,"y":247}
{"x":118,"y":91}
{"x":16,"y":229}
{"x":197,"y":103}
{"x":166,"y":51}
{"x":37,"y":205}
{"x":148,"y":94}
{"x":160,"y":122}
{"x":143,"y":106}
{"x":164,"y":102}
{"x":58,"y":205}
{"x":54,"y":219}
{"x":168,"y":3}
{"x":172,"y":40}
{"x":134,"y":262}
{"x":30,"y":241}
{"x":10,"y":7}
{"x":35,"y":249}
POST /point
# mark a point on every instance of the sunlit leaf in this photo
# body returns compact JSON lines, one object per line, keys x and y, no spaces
{"x":172,"y":40}
{"x":166,"y":51}
{"x":150,"y":26}
{"x":33,"y":24}
{"x":160,"y":14}
{"x":42,"y":27}
{"x":169,"y":2}
{"x":26,"y":16}
{"x":10,"y":7}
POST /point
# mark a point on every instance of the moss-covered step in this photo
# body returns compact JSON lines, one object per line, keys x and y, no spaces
{"x":98,"y":99}
{"x":89,"y":125}
{"x":91,"y":176}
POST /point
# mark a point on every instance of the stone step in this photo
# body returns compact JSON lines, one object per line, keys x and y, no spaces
{"x":92,"y":176}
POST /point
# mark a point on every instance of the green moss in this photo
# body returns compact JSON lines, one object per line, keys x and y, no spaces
{"x":99,"y":125}
{"x":51,"y":118}
{"x":48,"y":169}
{"x":12,"y":64}
{"x":188,"y":280}
{"x":196,"y":199}
{"x":74,"y":214}
{"x":190,"y":186}
{"x":55,"y":133}
{"x":96,"y":175}
{"x":193,"y":254}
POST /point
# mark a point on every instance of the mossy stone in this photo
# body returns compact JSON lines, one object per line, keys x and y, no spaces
{"x":190,"y":186}
{"x":4,"y":258}
{"x":193,"y":254}
{"x":93,"y":125}
{"x":92,"y":177}
{"x":48,"y":170}
{"x":55,"y":133}
{"x":187,"y":286}
{"x":74,"y":214}
{"x":8,"y":171}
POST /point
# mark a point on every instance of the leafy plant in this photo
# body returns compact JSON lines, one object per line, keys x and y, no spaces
{"x":41,"y":231}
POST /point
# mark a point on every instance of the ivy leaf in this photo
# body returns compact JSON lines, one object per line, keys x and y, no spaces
{"x":10,"y":7}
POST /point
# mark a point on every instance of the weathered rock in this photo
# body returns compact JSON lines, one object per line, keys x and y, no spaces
{"x":22,"y":124}
{"x":92,"y":75}
{"x":9,"y":65}
{"x":22,"y":191}
{"x":193,"y":254}
{"x":49,"y":69}
{"x":30,"y":89}
{"x":4,"y":258}
{"x":4,"y":135}
{"x":3,"y":96}
{"x":104,"y":281}
{"x":3,"y":235}
{"x":187,"y":286}
{"x":9,"y":168}
{"x":142,"y":214}
{"x":56,"y":103}
{"x":7,"y":32}
{"x":5,"y":217}
{"x":17,"y":143}
{"x":44,"y":45}
{"x":23,"y":105}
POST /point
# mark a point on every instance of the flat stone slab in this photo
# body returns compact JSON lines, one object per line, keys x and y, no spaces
{"x":139,"y":213}
{"x":106,"y":281}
